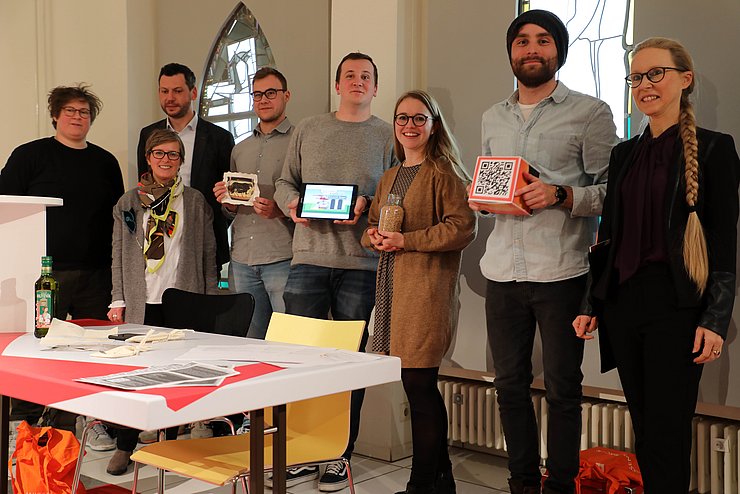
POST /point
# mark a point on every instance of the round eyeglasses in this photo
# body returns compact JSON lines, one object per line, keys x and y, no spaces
{"x":159,"y":154}
{"x":269,"y":93}
{"x":656,"y":74}
{"x":417,"y":120}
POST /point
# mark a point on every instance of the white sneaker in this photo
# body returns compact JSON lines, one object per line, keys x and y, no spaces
{"x":98,"y":439}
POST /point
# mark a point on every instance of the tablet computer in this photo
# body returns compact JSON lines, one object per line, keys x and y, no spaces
{"x":327,"y":201}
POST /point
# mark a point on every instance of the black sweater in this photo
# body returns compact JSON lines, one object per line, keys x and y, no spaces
{"x":78,"y":234}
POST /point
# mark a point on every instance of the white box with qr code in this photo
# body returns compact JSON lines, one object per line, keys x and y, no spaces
{"x":495,"y":181}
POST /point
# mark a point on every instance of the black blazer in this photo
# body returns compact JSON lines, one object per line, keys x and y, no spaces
{"x":211,"y":158}
{"x":717,"y":207}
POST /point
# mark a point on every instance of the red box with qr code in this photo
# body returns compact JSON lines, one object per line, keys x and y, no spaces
{"x":495,"y":181}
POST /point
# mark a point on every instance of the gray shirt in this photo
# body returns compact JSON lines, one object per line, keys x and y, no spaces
{"x":256,"y":240}
{"x":326,"y":150}
{"x":568,"y":138}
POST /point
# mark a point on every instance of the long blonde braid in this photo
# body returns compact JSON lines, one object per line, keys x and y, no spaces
{"x":695,"y":256}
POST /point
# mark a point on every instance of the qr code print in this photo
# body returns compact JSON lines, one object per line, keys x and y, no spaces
{"x":494,"y":178}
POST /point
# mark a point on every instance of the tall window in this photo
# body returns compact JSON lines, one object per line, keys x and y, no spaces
{"x":600,"y":43}
{"x":240,"y":50}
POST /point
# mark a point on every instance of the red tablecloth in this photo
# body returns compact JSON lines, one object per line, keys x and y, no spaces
{"x":19,"y":379}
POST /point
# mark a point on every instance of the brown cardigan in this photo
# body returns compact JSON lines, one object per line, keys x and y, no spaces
{"x":437,"y":225}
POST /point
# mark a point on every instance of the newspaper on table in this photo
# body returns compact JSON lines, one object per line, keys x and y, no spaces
{"x":163,"y":376}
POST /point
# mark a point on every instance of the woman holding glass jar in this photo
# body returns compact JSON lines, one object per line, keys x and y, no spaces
{"x":417,"y":285}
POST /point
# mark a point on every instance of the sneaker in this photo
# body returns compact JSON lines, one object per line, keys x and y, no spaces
{"x":201,"y":430}
{"x":148,"y":437}
{"x":244,"y":428}
{"x":334,"y":478}
{"x":98,"y":439}
{"x":295,"y":476}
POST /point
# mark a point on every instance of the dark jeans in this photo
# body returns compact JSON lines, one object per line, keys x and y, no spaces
{"x":513,"y":310}
{"x":83,"y":294}
{"x":652,"y":339}
{"x":346,"y":294}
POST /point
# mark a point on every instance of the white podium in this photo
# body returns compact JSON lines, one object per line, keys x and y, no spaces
{"x":22,"y":244}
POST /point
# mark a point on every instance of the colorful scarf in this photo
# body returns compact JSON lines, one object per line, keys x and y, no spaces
{"x":158,"y":199}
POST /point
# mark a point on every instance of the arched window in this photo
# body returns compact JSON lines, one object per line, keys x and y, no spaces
{"x":240,"y":50}
{"x":600,"y":34}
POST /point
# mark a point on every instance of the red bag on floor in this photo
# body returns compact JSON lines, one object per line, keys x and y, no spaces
{"x":608,"y":471}
{"x":45,"y":460}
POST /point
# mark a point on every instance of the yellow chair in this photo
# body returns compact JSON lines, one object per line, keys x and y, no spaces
{"x":317,"y":429}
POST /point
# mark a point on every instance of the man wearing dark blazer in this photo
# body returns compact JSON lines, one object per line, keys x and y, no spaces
{"x":207,"y":146}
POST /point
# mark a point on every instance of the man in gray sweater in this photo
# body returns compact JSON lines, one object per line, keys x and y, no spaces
{"x":331,"y":272}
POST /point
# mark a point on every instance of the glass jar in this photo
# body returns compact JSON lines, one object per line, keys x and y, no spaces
{"x":391,"y":215}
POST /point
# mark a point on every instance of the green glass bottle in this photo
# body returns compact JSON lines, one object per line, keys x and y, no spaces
{"x":47,"y":291}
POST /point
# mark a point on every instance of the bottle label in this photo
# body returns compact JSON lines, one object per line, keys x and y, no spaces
{"x":44,"y":308}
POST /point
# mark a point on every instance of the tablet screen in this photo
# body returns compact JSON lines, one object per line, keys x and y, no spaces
{"x":327,"y":201}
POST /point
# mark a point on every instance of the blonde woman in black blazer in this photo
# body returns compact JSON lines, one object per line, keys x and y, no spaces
{"x":663,"y":272}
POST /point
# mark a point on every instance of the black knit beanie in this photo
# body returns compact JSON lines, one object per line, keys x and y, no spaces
{"x":546,"y":20}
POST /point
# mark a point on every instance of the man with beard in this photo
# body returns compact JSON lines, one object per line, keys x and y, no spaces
{"x":536,"y":265}
{"x":207,"y":146}
{"x":262,"y":236}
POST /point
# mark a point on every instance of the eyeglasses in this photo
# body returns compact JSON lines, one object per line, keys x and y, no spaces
{"x":418,"y":120}
{"x":159,"y":154}
{"x":656,"y":74}
{"x":270,"y":93}
{"x":70,"y":111}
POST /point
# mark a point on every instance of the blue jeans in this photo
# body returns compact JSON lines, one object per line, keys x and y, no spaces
{"x":346,"y":294}
{"x":513,"y":310}
{"x":266,"y":283}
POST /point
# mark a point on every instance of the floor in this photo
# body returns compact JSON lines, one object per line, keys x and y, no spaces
{"x":475,"y":473}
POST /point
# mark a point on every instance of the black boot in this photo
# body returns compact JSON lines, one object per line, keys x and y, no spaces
{"x":416,"y":489}
{"x":445,"y":483}
{"x":518,"y":487}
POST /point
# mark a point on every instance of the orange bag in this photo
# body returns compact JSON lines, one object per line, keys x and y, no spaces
{"x":616,"y":471}
{"x":45,"y":460}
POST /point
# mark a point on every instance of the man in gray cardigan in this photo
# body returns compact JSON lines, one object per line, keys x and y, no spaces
{"x":331,"y":272}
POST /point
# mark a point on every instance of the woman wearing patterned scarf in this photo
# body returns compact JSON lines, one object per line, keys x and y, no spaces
{"x":162,"y":238}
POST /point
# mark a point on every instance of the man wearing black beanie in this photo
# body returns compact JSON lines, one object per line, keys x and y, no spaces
{"x":536,"y":265}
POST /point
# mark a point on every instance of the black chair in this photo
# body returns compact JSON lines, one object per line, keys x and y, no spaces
{"x":228,"y":314}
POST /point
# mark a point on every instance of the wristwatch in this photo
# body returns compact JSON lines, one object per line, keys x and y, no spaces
{"x":560,"y":195}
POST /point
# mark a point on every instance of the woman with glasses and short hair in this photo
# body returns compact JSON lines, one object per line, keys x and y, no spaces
{"x":162,"y":238}
{"x":417,"y":281}
{"x":663,"y":270}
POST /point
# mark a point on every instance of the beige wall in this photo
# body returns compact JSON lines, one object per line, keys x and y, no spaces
{"x":19,"y":47}
{"x":298,"y":33}
{"x":395,"y":45}
{"x":49,"y":44}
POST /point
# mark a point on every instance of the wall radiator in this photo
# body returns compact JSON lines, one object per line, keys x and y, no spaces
{"x":474,"y":420}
